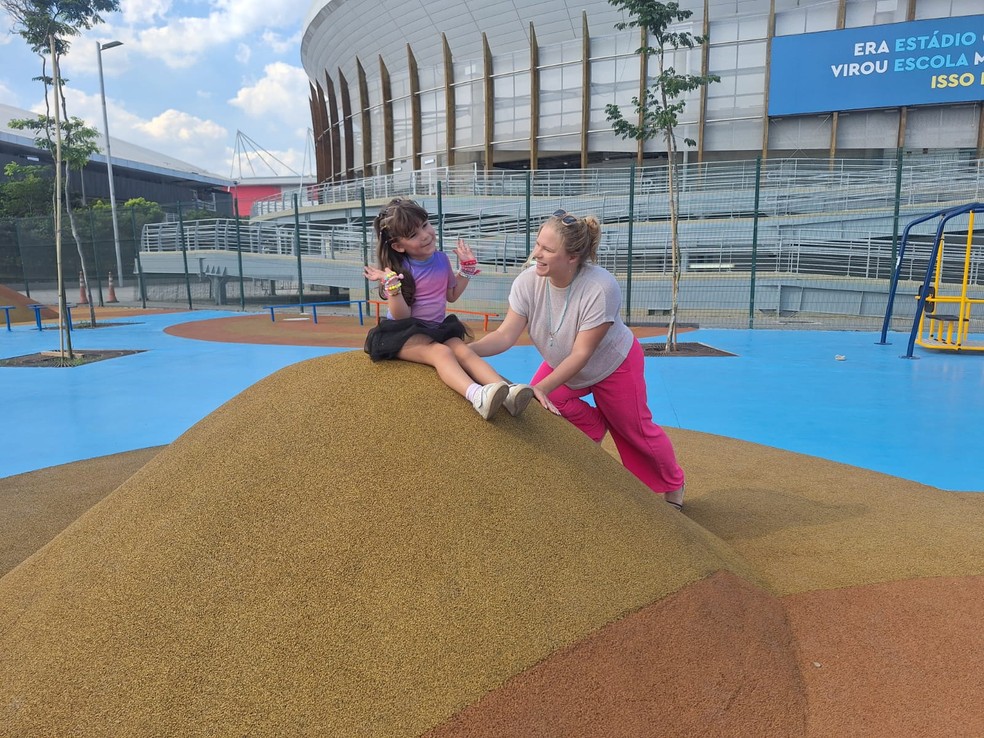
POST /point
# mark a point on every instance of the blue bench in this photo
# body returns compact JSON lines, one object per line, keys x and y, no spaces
{"x":6,"y":312}
{"x":314,"y":307}
{"x":37,"y":315}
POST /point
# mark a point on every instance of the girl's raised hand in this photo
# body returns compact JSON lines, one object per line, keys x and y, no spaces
{"x":374,"y":274}
{"x":467,"y":263}
{"x":463,"y":251}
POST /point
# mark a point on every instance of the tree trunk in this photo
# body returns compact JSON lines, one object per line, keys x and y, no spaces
{"x":64,"y":329}
{"x":78,"y":246}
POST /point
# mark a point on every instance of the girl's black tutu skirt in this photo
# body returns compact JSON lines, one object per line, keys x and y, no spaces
{"x":386,"y":339}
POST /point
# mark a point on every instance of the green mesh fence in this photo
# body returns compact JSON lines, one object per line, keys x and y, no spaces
{"x":786,"y":243}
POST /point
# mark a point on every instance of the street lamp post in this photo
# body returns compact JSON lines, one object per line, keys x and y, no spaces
{"x":109,"y":159}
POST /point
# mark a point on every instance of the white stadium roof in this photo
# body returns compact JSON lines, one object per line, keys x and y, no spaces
{"x":125,"y":154}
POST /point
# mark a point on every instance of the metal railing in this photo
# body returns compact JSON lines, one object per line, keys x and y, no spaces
{"x":806,"y":216}
{"x":228,"y":234}
{"x":819,"y":236}
{"x":787,"y":186}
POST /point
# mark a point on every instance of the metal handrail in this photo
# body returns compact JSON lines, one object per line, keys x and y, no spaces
{"x":820,"y":182}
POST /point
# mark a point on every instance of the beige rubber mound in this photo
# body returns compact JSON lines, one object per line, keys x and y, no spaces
{"x":36,"y":506}
{"x":343,"y":549}
{"x":324,"y":580}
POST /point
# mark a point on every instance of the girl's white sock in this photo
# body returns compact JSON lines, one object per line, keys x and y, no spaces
{"x":470,"y":392}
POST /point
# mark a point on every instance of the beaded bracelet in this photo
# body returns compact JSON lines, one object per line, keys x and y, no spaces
{"x":468,"y":269}
{"x":392,"y":283}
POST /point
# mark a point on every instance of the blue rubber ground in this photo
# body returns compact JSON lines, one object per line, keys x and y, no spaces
{"x":920,"y":419}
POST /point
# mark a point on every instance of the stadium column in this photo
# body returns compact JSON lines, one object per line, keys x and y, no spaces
{"x":534,"y":100}
{"x":489,"y":101}
{"x":336,"y":136}
{"x":387,"y":90}
{"x":449,"y":102}
{"x":416,"y":139}
{"x":705,"y":53}
{"x":770,"y":34}
{"x":585,"y":87}
{"x":835,"y":116}
{"x":347,"y":129}
{"x":366,"y":117}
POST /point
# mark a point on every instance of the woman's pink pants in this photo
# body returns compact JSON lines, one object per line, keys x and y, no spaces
{"x":622,"y":410}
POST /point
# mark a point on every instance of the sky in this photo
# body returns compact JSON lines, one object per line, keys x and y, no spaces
{"x":215,"y":83}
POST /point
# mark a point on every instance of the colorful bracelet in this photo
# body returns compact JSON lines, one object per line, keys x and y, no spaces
{"x":392,"y":283}
{"x":468,"y":269}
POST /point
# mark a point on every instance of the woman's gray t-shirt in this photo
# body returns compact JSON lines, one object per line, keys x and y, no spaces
{"x":592,"y":299}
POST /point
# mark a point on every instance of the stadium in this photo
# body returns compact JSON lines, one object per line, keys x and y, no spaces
{"x":529,"y":85}
{"x":833,"y":125}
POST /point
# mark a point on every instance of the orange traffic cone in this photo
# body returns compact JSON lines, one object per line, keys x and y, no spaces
{"x":112,"y":290}
{"x":83,"y":300}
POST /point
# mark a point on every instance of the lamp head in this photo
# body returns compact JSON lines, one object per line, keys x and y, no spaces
{"x":110,"y":45}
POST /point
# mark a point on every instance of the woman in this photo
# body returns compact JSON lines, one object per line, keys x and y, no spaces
{"x":570,"y":307}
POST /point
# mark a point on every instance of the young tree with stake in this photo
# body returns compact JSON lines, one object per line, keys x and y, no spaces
{"x":47,"y":26}
{"x":659,"y":110}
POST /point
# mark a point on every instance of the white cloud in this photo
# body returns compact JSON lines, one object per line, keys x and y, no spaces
{"x":81,"y":105}
{"x":173,"y":133}
{"x":282,"y":93}
{"x":188,"y":138}
{"x":176,"y":126}
{"x":243,"y":54}
{"x":83,"y":59}
{"x":281,"y":44}
{"x":182,"y":42}
{"x":138,"y":12}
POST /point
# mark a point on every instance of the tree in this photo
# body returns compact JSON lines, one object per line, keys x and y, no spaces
{"x":78,"y":144}
{"x":47,"y":26}
{"x":27,"y":191}
{"x":146,"y":211}
{"x":659,"y":111}
{"x":134,"y":214}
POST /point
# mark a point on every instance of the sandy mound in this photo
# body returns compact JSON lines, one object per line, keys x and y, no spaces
{"x":344,"y":548}
{"x":347,"y":549}
{"x":22,"y":313}
{"x":37,"y":506}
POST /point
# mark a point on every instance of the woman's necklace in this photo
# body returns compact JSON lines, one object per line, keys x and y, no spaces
{"x":551,"y":331}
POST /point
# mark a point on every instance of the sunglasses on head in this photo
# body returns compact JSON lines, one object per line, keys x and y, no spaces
{"x":565,"y":217}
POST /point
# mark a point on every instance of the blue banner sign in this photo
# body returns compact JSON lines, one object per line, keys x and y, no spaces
{"x":927,"y":62}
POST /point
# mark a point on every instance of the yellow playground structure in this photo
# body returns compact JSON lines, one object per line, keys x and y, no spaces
{"x":943,"y":317}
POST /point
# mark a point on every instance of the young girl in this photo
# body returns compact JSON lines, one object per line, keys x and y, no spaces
{"x":417,"y":282}
{"x":570,"y":307}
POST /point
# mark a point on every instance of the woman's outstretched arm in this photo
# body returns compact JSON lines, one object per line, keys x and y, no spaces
{"x":502,"y":338}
